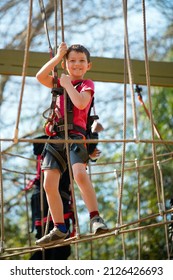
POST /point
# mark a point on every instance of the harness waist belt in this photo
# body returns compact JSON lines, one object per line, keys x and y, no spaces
{"x":60,"y":128}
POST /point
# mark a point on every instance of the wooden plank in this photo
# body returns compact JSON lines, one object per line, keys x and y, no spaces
{"x":103,"y":69}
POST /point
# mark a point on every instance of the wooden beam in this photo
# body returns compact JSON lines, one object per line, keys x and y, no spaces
{"x":103,"y":69}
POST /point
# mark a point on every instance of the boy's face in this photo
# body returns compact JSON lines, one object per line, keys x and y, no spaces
{"x":77,"y":65}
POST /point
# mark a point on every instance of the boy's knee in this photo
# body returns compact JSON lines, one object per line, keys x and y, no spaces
{"x":48,"y":184}
{"x":79,"y":174}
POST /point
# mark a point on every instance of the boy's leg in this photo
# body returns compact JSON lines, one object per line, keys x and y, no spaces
{"x":89,"y":196}
{"x":86,"y":188}
{"x":51,"y":186}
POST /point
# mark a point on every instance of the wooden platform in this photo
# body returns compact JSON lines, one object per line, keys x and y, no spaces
{"x":103,"y":69}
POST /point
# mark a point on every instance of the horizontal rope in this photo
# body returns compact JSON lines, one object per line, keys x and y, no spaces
{"x":147,"y":141}
{"x":86,"y":238}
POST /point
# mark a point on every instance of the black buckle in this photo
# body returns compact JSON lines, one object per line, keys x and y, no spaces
{"x":57,"y":91}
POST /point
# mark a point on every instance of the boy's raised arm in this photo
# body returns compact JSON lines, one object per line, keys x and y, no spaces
{"x":43,"y":75}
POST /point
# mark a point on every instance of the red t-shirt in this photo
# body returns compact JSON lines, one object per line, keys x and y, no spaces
{"x":79,"y":116}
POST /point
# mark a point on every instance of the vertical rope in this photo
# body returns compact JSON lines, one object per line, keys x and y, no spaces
{"x":164,"y":216}
{"x":25,"y":64}
{"x":2,"y":206}
{"x":27,"y":213}
{"x":124,"y":129}
{"x":120,"y":217}
{"x":42,"y":211}
{"x":138,"y":207}
{"x":44,"y":18}
{"x":91,"y":243}
{"x":138,"y":90}
{"x":62,"y":21}
{"x":67,"y":145}
{"x":56,"y":26}
{"x":42,"y":206}
{"x":54,"y":96}
{"x":55,"y":71}
{"x":130,"y":72}
{"x":160,"y":206}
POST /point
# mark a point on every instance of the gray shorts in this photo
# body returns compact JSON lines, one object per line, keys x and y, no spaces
{"x":78,"y":154}
{"x":50,"y":162}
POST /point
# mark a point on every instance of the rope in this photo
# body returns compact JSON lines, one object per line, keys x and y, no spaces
{"x":65,"y":96}
{"x":2,"y":203}
{"x":84,"y":238}
{"x":164,"y":216}
{"x":56,"y":26}
{"x":27,"y":212}
{"x":54,"y":95}
{"x":138,"y":90}
{"x":42,"y":205}
{"x":99,"y":164}
{"x":89,"y":141}
{"x":124,"y":132}
{"x":138,"y":206}
{"x":66,"y":138}
{"x":62,"y":22}
{"x":120,"y":221}
{"x":150,"y":109}
{"x":53,"y":104}
{"x":25,"y":63}
{"x":129,"y":67}
{"x":44,"y":18}
{"x":55,"y":71}
{"x":51,"y":52}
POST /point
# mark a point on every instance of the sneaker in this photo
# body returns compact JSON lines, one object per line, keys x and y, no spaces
{"x":98,"y":226}
{"x":55,"y":236}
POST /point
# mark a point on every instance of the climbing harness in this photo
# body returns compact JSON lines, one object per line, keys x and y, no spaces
{"x":52,"y":127}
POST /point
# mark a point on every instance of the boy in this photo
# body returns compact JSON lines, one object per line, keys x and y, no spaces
{"x":77,"y":64}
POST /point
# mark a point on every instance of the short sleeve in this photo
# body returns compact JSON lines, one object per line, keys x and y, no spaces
{"x":88,"y":85}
